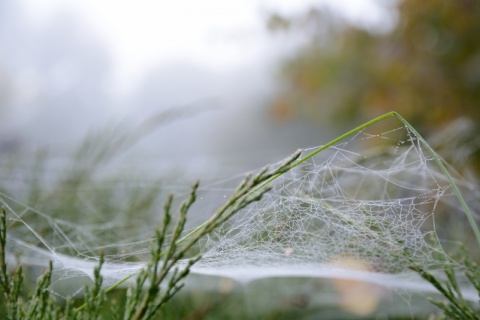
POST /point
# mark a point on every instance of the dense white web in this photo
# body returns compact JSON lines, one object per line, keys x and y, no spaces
{"x":362,"y":209}
{"x":344,"y":203}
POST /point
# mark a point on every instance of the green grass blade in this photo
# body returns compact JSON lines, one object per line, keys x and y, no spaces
{"x":356,"y":130}
{"x":442,"y":167}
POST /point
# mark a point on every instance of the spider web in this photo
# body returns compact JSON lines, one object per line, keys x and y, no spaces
{"x":340,"y":206}
{"x":363,"y":209}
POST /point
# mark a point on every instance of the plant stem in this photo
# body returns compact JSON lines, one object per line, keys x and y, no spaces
{"x":442,"y":167}
{"x":367,"y":124}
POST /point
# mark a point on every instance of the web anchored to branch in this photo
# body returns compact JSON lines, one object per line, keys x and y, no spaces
{"x":378,"y":208}
{"x":366,"y":207}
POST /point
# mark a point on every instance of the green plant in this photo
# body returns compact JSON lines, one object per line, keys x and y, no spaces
{"x":146,"y":298}
{"x":455,"y":306}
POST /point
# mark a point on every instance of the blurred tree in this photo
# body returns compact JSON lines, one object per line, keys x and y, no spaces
{"x":427,"y":68}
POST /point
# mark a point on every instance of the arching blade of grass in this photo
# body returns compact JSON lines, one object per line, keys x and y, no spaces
{"x":352,"y":132}
{"x":442,"y":167}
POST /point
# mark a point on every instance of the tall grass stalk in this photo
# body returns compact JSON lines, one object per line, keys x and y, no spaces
{"x":352,"y":132}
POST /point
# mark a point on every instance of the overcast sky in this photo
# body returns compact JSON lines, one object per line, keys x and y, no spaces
{"x":217,"y":34}
{"x":70,"y":66}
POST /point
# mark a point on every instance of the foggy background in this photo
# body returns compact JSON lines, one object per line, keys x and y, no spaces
{"x":246,"y":76}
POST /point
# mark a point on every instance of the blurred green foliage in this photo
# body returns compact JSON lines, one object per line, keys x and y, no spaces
{"x":427,"y":67}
